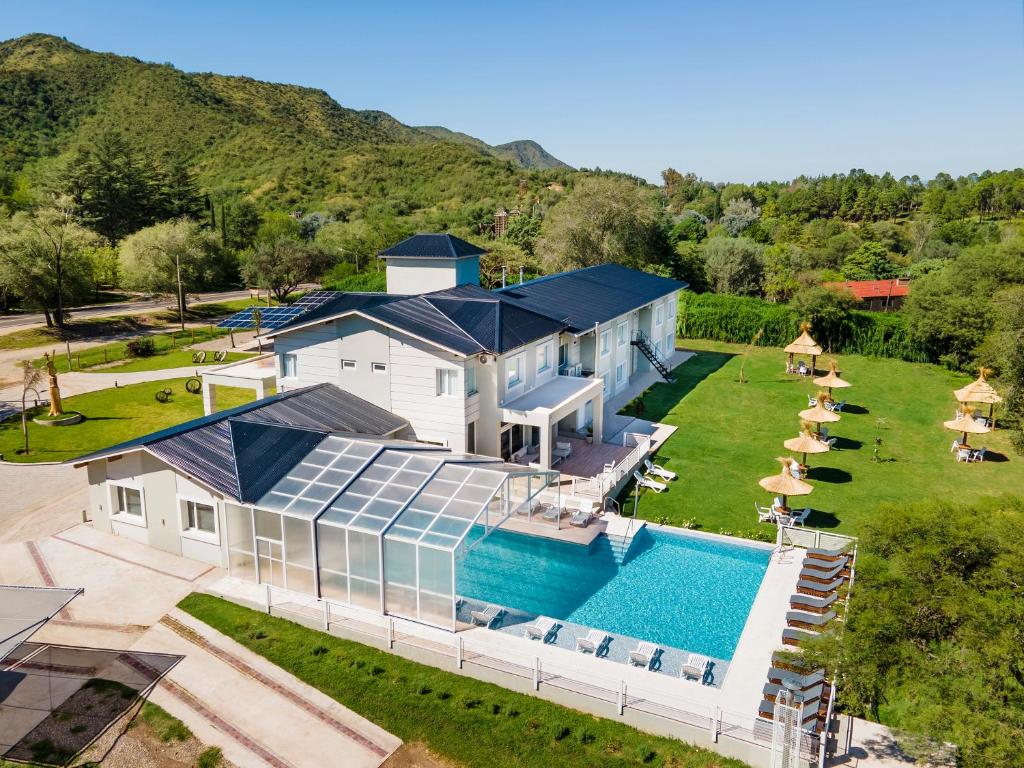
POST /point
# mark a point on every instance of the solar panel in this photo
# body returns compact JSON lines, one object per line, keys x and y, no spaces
{"x":272,"y":318}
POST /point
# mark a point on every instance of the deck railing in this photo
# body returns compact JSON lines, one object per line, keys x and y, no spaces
{"x":602,"y":484}
{"x":605,"y":693}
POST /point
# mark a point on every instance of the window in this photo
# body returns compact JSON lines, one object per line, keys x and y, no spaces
{"x":543,"y":358}
{"x":672,"y":308}
{"x":447,"y":381}
{"x":670,"y":343}
{"x":348,"y":365}
{"x":127,"y":501}
{"x":470,"y":380}
{"x":289,"y":366}
{"x":621,"y":336}
{"x":620,"y":373}
{"x":199,"y":517}
{"x":659,"y":314}
{"x":606,"y":343}
{"x":379,"y":367}
{"x":514,"y":370}
{"x":606,"y":383}
{"x":471,"y":437}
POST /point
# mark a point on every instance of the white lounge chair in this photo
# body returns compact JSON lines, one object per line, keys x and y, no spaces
{"x":964,"y":454}
{"x":811,"y":401}
{"x":659,"y":471}
{"x":798,"y":516}
{"x":593,"y":642}
{"x":644,"y":654}
{"x":831,"y":442}
{"x":834,"y":407}
{"x":488,"y":615}
{"x":582,"y":518}
{"x":978,"y":455}
{"x":646,"y":482}
{"x":695,"y":666}
{"x":541,"y":629}
{"x":955,"y":446}
{"x":764,"y":514}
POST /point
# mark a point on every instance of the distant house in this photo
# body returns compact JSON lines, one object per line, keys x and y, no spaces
{"x":876,"y":295}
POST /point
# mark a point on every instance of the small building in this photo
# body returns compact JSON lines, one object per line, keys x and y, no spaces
{"x":876,"y":295}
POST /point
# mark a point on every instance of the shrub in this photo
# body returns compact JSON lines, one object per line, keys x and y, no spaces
{"x":144,"y":347}
{"x":209,"y":758}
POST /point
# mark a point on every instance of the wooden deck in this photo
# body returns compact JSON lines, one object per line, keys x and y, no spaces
{"x":589,"y":459}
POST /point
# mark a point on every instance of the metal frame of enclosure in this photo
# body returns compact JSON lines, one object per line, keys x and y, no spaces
{"x":377,"y":524}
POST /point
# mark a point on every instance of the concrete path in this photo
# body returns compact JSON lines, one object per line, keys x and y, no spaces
{"x":38,"y":500}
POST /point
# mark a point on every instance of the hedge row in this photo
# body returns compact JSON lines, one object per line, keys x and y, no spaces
{"x":738,"y":319}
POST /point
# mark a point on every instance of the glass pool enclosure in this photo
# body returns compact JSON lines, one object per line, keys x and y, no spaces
{"x":378,"y":525}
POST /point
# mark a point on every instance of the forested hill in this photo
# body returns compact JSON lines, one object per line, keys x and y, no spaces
{"x":527,"y":153}
{"x":284,"y":144}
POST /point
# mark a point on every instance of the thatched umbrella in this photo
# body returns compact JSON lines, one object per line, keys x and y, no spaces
{"x":831,"y":379}
{"x":965,"y":423}
{"x":804,"y":344}
{"x":819,"y":414}
{"x":784,"y":484}
{"x":805,"y":443}
{"x":980,"y":391}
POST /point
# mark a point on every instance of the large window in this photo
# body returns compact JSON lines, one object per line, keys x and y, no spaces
{"x":620,"y":373}
{"x":621,"y":335}
{"x":672,"y":308}
{"x":289,"y":366}
{"x":543,"y":358}
{"x":241,"y":551}
{"x":606,"y":343}
{"x":447,"y":381}
{"x":659,"y":314}
{"x":198,"y":517}
{"x":514,"y":370}
{"x":127,"y":501}
{"x":470,"y":380}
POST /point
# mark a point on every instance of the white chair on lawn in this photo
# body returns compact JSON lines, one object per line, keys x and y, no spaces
{"x":798,"y":516}
{"x":659,"y":471}
{"x":964,"y":454}
{"x":646,"y":482}
{"x":764,"y":514}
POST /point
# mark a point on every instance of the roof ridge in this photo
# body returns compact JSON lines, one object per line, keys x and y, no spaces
{"x":451,"y":322}
{"x":234,"y":461}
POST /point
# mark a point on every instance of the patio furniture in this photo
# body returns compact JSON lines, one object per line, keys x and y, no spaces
{"x":805,"y":620}
{"x":802,"y":368}
{"x":831,"y":442}
{"x":794,"y":637}
{"x":955,"y":446}
{"x":824,"y":577}
{"x":835,"y":407}
{"x":811,"y":401}
{"x":818,"y":589}
{"x":796,"y":471}
{"x":796,"y":681}
{"x":798,"y":516}
{"x":696,"y":666}
{"x":823,"y":434}
{"x":594,"y":642}
{"x":811,"y":603}
{"x":644,"y":654}
{"x":646,"y":482}
{"x":964,"y":454}
{"x":582,"y":518}
{"x":821,"y":553}
{"x":543,"y":629}
{"x":659,"y":471}
{"x":487,"y":616}
{"x":825,"y":565}
{"x":978,"y":455}
{"x":562,"y":450}
{"x":554,"y":513}
{"x":764,"y":514}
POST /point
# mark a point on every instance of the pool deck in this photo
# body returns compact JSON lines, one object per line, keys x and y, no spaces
{"x":567,"y":533}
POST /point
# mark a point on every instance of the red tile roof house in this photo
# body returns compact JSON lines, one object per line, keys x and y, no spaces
{"x":877,"y":295}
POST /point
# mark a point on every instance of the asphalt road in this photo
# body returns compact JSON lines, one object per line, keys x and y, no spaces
{"x":10,"y":323}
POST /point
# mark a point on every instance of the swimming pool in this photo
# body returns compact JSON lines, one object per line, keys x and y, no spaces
{"x":683,"y":591}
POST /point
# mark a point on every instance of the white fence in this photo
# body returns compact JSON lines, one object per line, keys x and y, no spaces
{"x":602,"y":485}
{"x":601,"y":694}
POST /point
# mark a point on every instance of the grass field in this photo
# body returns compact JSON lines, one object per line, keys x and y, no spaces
{"x":472,"y":723}
{"x":730,"y":433}
{"x":111,"y":416}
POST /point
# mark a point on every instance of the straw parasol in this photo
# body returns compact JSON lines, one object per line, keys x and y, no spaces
{"x":803,"y":345}
{"x":784,"y":484}
{"x":819,"y":414}
{"x":965,"y":423}
{"x":980,"y":391}
{"x":831,"y":379}
{"x":805,"y":443}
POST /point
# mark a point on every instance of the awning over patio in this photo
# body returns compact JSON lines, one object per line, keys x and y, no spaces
{"x":256,"y":373}
{"x":24,"y":610}
{"x":544,"y":406}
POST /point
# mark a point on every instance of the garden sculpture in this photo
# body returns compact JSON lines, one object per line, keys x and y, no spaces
{"x":56,"y":407}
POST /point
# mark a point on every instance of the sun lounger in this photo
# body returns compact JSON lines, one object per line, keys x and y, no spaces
{"x":644,"y":654}
{"x":766,"y":709}
{"x":824,"y":577}
{"x":593,"y":642}
{"x":554,"y":513}
{"x":646,"y":482}
{"x":835,"y":407}
{"x":541,"y":629}
{"x":817,"y":588}
{"x":659,"y":471}
{"x":487,"y":616}
{"x":796,"y":680}
{"x":805,"y":620}
{"x":695,"y":666}
{"x":810,"y":696}
{"x":812,"y":603}
{"x":582,"y":518}
{"x":826,"y":554}
{"x":824,"y":565}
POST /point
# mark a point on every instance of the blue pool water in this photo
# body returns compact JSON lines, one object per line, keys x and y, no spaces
{"x":687,"y":592}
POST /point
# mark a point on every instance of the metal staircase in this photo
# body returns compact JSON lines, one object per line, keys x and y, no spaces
{"x":643,"y":342}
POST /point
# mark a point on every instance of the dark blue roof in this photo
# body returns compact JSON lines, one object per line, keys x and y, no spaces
{"x":429,"y":246}
{"x":467,"y":319}
{"x":592,"y":295}
{"x":240,"y":450}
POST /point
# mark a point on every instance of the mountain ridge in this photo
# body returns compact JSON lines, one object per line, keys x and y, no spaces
{"x":524,"y":152}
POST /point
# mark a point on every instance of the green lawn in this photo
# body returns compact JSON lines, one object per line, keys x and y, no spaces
{"x":730,"y":433}
{"x":464,"y":720}
{"x":112,"y":416}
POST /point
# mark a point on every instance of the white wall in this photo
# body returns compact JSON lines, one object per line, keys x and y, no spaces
{"x":411,"y":277}
{"x":530,"y":377}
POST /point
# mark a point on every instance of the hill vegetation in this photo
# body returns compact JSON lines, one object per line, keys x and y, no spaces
{"x":525,"y":152}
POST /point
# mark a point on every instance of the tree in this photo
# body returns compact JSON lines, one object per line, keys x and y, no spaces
{"x":311,"y":223}
{"x":689,"y":266}
{"x":733,"y":265}
{"x":172,"y":257}
{"x":282,"y":266}
{"x":780,"y":281}
{"x":240,"y":223}
{"x":827,"y":310}
{"x":602,"y":220}
{"x":275,"y":225}
{"x":523,"y":231}
{"x":869,"y":262}
{"x":691,"y":229}
{"x":43,"y":258}
{"x":502,"y":253}
{"x":739,"y":214}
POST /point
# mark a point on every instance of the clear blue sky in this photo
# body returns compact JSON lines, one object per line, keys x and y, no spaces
{"x":737,"y":90}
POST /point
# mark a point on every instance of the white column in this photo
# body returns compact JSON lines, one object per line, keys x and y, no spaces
{"x":209,"y":397}
{"x":545,"y":446}
{"x":598,"y":418}
{"x":261,"y":390}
